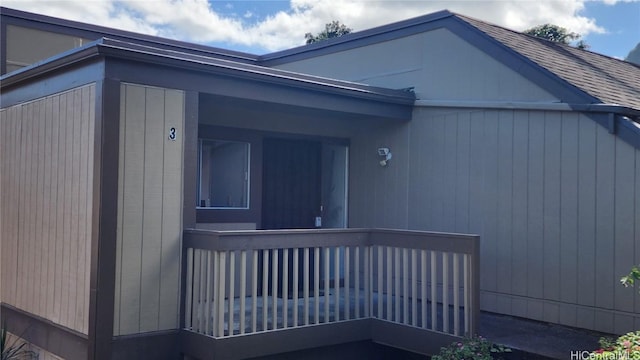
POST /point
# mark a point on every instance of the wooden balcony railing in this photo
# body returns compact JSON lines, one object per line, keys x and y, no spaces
{"x":238,"y":283}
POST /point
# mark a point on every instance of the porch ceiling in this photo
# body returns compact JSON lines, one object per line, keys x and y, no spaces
{"x":284,"y":118}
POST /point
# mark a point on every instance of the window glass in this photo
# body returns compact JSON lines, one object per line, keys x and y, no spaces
{"x":223,"y":174}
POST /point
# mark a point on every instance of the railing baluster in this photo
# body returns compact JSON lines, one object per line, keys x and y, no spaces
{"x":243,"y":289}
{"x":405,"y":286}
{"x":347,"y":299}
{"x":356,"y":280}
{"x":221,"y":292}
{"x":254,"y":291}
{"x":198,"y":280}
{"x":445,"y":292}
{"x":265,"y":289}
{"x":316,"y":284}
{"x":380,"y":251}
{"x":232,"y":283}
{"x":285,"y":288}
{"x":203,"y":288}
{"x":295,"y":286}
{"x":208,"y":296}
{"x":434,"y":289}
{"x":368,"y":273}
{"x":389,"y":283}
{"x":189,"y":288}
{"x":456,"y":294}
{"x":396,"y":277}
{"x":274,"y":288}
{"x":414,"y":288}
{"x":336,"y":283}
{"x":466,"y":291}
{"x":305,"y":283}
{"x":327,"y":264}
{"x":423,"y":287}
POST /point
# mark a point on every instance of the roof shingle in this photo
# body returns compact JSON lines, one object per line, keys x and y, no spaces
{"x":610,"y":80}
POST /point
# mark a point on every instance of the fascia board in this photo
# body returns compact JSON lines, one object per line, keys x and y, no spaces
{"x":128,"y":51}
{"x":358,"y":39}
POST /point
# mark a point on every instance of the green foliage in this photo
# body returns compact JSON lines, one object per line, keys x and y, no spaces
{"x":607,"y":343}
{"x":12,"y":350}
{"x":557,"y":34}
{"x":634,"y":55}
{"x":626,"y":346}
{"x":475,"y":348}
{"x":629,"y":280}
{"x":582,"y":45}
{"x":331,"y":30}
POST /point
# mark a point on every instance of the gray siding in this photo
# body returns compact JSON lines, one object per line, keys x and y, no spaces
{"x":149,"y":210}
{"x":553,"y":195}
{"x":20,"y":49}
{"x":46,"y":182}
{"x":439,"y":64}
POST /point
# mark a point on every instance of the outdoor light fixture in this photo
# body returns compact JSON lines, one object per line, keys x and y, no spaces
{"x":385,"y":154}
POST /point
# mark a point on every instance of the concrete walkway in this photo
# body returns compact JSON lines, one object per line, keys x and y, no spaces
{"x":537,"y":340}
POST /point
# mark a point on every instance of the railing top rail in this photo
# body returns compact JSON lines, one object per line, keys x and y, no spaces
{"x":298,"y":238}
{"x":273,"y":239}
{"x":426,"y":240}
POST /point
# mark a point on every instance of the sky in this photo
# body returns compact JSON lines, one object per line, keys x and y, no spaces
{"x":610,"y":27}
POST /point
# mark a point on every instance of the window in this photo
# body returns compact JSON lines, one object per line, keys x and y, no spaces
{"x":223,"y":174}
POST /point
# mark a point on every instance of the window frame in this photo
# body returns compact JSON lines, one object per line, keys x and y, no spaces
{"x":248,"y":176}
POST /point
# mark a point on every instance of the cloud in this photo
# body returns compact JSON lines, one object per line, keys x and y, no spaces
{"x":198,"y":21}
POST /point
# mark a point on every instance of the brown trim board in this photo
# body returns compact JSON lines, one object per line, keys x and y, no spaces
{"x":191,"y":116}
{"x":190,"y":173}
{"x":105,"y":213}
{"x":3,"y":47}
{"x":51,"y":83}
{"x":160,"y":345}
{"x":54,"y":338}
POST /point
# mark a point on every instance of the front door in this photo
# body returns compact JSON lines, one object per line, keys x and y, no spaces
{"x":291,"y":188}
{"x":291,"y":185}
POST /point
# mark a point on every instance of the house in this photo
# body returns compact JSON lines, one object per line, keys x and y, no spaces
{"x":161,"y":198}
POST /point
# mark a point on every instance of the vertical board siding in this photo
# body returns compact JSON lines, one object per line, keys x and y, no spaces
{"x":569,"y":217}
{"x":433,"y":57}
{"x":149,"y":210}
{"x":554,"y":197}
{"x":45,"y":207}
{"x":605,"y":279}
{"x":504,"y":234}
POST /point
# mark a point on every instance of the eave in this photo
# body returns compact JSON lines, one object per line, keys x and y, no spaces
{"x":108,"y":48}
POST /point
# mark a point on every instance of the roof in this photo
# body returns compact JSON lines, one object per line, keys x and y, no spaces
{"x":595,"y":78}
{"x":607,"y":79}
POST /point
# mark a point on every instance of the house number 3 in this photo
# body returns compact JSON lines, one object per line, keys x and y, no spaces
{"x":172,"y":134}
